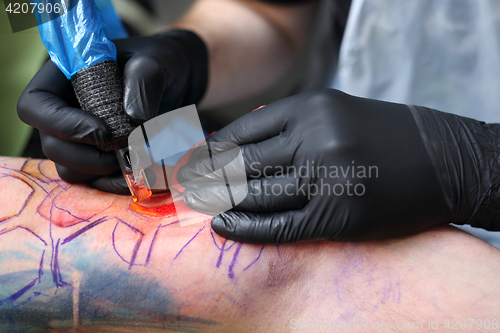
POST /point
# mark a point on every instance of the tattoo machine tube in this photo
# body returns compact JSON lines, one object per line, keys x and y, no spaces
{"x":77,"y":43}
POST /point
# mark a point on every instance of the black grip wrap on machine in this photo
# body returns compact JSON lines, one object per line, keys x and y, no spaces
{"x":99,"y":90}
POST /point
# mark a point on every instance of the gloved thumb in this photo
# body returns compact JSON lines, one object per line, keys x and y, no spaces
{"x":114,"y":183}
{"x":144,"y":79}
{"x":267,"y":228}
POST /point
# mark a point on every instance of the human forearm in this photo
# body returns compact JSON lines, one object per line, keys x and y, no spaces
{"x":251,"y":44}
{"x":70,"y":255}
{"x":73,"y":256}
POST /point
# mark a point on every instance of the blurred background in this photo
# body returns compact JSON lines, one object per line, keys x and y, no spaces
{"x":22,"y":54}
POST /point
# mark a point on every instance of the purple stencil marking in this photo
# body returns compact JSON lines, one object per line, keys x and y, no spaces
{"x":231,"y":266}
{"x":56,"y":272}
{"x":129,"y":225}
{"x":217,"y":245}
{"x":27,"y":174}
{"x":134,"y":252}
{"x":35,"y":294}
{"x":40,"y":205}
{"x":28,"y":198}
{"x":114,"y":246}
{"x":64,"y":210}
{"x":255,"y":260}
{"x":24,"y":228}
{"x":67,"y":211}
{"x":25,"y":201}
{"x":197,"y":233}
{"x":151,"y":246}
{"x":41,"y":173}
{"x":114,"y":242}
{"x":54,"y":262}
{"x":18,"y":294}
{"x":230,"y":246}
{"x":64,"y":185}
{"x":144,"y":240}
{"x":55,"y":276}
{"x":10,"y":169}
{"x":24,"y":164}
{"x":50,"y":200}
{"x":70,"y":214}
{"x":213,"y":238}
{"x":49,"y":186}
{"x":166,"y":225}
{"x":40,"y":270}
{"x":40,"y":170}
{"x":139,"y":215}
{"x":30,"y":177}
{"x":219,"y":260}
{"x":51,"y":206}
{"x":52,"y":244}
{"x":85,"y":229}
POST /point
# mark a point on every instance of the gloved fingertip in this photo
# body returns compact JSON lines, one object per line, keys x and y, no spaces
{"x":223,"y":224}
{"x":72,"y":176}
{"x":194,"y":199}
{"x":115,"y":184}
{"x":144,"y":83}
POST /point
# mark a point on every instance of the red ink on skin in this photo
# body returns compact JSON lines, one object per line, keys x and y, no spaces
{"x":65,"y":208}
{"x":159,"y":206}
{"x":163,"y":205}
{"x":160,"y":211}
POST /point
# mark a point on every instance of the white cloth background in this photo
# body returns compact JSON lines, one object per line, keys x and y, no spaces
{"x":443,"y":54}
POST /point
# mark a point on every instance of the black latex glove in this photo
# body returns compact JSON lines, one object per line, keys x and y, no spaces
{"x":414,"y":168}
{"x":168,"y":68}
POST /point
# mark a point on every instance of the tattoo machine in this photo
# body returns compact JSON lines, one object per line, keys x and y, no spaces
{"x":77,"y":41}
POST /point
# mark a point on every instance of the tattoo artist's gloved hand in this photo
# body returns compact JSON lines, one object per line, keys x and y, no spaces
{"x":327,"y":165}
{"x":169,"y":68}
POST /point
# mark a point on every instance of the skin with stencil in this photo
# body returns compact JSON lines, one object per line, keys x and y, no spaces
{"x":73,"y":259}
